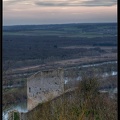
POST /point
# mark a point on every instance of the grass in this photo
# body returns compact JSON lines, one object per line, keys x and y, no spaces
{"x":60,"y":34}
{"x":16,"y":116}
{"x":67,"y":32}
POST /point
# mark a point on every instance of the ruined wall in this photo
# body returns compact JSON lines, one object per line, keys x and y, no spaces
{"x":20,"y":115}
{"x":10,"y":115}
{"x":43,"y":86}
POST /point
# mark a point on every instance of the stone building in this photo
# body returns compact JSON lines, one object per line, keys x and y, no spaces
{"x":44,"y":86}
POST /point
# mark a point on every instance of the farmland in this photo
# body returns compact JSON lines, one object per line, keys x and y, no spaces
{"x":29,"y":48}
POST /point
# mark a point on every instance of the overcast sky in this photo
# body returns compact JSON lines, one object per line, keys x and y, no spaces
{"x":21,"y":12}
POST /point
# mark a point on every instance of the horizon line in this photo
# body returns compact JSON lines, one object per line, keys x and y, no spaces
{"x":57,"y":24}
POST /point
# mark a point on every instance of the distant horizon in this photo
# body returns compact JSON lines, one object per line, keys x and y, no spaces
{"x":59,"y":23}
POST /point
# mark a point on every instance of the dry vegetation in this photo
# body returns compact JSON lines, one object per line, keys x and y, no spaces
{"x":13,"y":95}
{"x":85,"y":103}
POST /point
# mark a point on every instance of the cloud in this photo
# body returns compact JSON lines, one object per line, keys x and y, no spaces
{"x":15,"y":2}
{"x":76,"y":3}
{"x":52,"y":3}
{"x":10,"y":1}
{"x":99,"y":3}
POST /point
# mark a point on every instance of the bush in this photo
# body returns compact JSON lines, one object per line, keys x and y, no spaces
{"x":82,"y":104}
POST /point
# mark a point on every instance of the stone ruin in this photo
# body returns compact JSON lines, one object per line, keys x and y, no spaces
{"x":44,"y":86}
{"x":16,"y":115}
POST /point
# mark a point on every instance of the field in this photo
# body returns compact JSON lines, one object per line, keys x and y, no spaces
{"x":47,"y":42}
{"x":29,"y":48}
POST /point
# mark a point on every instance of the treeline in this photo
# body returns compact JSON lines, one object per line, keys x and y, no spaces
{"x":34,"y":47}
{"x":84,"y":26}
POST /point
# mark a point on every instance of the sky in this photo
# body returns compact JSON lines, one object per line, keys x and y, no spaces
{"x":32,"y":12}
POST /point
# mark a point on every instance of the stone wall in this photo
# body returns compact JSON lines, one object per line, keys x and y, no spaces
{"x":46,"y":85}
{"x":16,"y":115}
{"x":10,"y":115}
{"x":43,"y":86}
